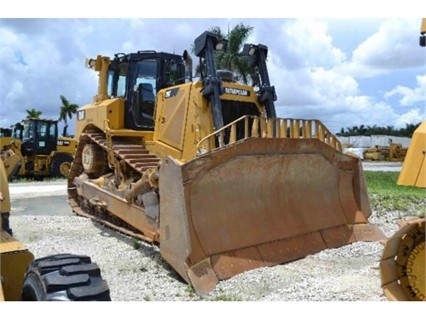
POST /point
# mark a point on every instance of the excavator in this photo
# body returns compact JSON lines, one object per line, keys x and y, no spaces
{"x":204,"y":168}
{"x":402,"y":265}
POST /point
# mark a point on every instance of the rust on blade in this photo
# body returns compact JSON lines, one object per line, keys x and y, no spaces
{"x":232,"y":263}
{"x":259,"y":203}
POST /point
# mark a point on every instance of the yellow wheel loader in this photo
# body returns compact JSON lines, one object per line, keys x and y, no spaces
{"x":205,"y":169}
{"x":42,"y":153}
{"x":61,"y":277}
{"x":402,"y":266}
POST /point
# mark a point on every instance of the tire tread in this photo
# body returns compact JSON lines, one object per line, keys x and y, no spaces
{"x":76,"y":275}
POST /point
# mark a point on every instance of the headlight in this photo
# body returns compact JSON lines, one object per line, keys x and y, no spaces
{"x":80,"y":115}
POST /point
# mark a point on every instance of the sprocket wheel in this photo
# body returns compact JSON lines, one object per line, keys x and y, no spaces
{"x":93,"y":159}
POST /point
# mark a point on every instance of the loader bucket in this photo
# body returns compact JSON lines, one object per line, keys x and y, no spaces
{"x":260,"y":202}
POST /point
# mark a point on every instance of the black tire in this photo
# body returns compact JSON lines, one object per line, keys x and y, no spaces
{"x":64,"y":277}
{"x":57,"y":169}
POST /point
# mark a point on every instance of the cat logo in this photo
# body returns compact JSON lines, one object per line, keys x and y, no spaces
{"x":238,"y":92}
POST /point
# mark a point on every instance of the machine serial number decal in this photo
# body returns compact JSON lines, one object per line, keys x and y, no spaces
{"x":237,"y":92}
{"x":171,"y":93}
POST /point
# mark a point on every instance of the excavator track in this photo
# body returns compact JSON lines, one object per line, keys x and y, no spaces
{"x":135,"y":155}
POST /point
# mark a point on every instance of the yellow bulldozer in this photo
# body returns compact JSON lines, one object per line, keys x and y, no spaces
{"x":41,"y":152}
{"x":59,"y":277}
{"x":205,"y":169}
{"x":402,"y":265}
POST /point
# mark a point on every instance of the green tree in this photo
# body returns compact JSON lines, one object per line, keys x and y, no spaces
{"x":66,"y":110}
{"x":231,"y":58}
{"x":379,"y":130}
{"x":409,"y":129}
{"x":33,"y":113}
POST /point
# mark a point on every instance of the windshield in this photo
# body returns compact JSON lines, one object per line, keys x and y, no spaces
{"x":28,"y":130}
{"x":146,"y":75}
{"x":116,"y":82}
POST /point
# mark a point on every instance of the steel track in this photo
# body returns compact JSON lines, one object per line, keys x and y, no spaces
{"x":136,"y":156}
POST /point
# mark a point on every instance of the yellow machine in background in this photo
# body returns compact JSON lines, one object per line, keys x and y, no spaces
{"x":206,"y":169}
{"x":393,"y":153}
{"x":42,"y":153}
{"x":55,"y":277}
{"x":413,"y":172}
{"x":11,"y":162}
{"x":14,"y":257}
{"x":402,"y":266}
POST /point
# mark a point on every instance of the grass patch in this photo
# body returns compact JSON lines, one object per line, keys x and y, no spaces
{"x":386,"y":183}
{"x":190,"y":291}
{"x":136,"y":244}
{"x":385,"y":193}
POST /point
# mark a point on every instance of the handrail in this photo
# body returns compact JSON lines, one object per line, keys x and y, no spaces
{"x":270,"y":128}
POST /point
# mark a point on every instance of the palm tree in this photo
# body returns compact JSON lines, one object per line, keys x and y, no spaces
{"x":33,"y":113}
{"x":409,"y":129}
{"x":67,"y":109}
{"x":231,"y":58}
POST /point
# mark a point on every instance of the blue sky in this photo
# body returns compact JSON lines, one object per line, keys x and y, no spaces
{"x":340,"y":69}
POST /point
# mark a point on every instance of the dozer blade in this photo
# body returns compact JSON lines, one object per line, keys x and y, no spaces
{"x":259,"y":202}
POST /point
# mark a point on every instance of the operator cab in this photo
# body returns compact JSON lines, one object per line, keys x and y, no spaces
{"x":39,"y":136}
{"x":137,"y":77}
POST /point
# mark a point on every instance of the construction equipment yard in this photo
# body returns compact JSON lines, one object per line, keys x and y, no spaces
{"x":192,"y":189}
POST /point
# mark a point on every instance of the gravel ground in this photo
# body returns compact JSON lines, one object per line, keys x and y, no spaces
{"x":349,"y":273}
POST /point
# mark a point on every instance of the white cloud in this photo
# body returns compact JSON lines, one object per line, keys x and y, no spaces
{"x":413,"y":116}
{"x":15,"y":93}
{"x":320,"y":83}
{"x":313,"y":76}
{"x":306,"y":43}
{"x":410,"y":96}
{"x":395,"y":45}
{"x":302,"y":66}
{"x":332,"y":85}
